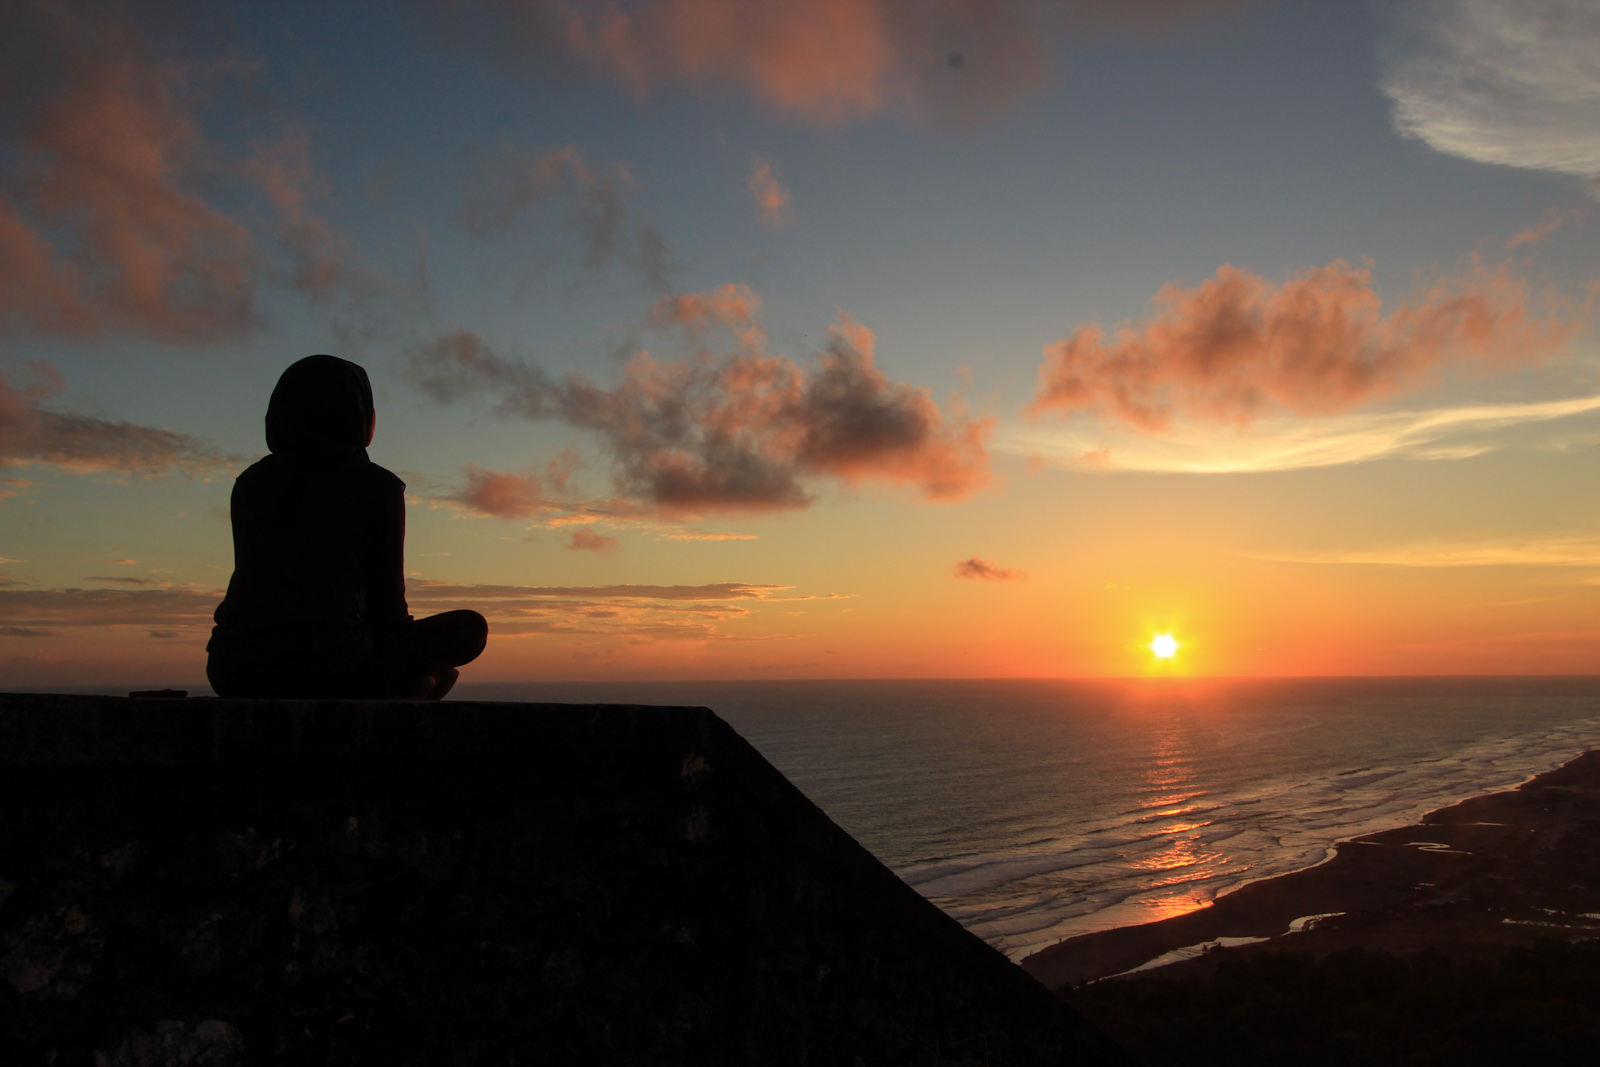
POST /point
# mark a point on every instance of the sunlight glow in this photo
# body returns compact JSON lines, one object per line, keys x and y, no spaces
{"x":1164,"y":646}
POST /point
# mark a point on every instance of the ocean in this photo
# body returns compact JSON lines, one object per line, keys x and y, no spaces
{"x":1035,"y":810}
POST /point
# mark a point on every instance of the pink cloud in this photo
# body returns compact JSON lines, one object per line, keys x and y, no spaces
{"x":1237,"y":346}
{"x":734,"y":306}
{"x":824,"y":61}
{"x":503,"y":496}
{"x":830,"y":61}
{"x":981,"y":570}
{"x":772,"y":199}
{"x":103,"y":229}
{"x":739,"y":432}
{"x":1548,"y":223}
{"x":585,"y":539}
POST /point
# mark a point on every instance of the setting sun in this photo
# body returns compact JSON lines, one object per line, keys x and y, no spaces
{"x":1164,"y":646}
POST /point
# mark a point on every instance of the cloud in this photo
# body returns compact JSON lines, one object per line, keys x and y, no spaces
{"x":746,"y":432}
{"x":734,"y":306}
{"x":318,"y":254}
{"x":585,"y":539}
{"x":102,"y":228}
{"x":772,"y":199}
{"x":165,"y":633}
{"x":1238,"y":347}
{"x":24,"y":631}
{"x":512,"y":182}
{"x":981,"y":570}
{"x":170,"y":609}
{"x":30,"y":434}
{"x":824,"y":61}
{"x":1515,"y":82}
{"x":717,"y":591}
{"x":1542,"y":551}
{"x":640,"y":613}
{"x":1288,"y":443}
{"x":503,"y":496}
{"x":1548,"y":223}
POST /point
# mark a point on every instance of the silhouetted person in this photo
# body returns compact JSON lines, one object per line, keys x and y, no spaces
{"x":317,"y":603}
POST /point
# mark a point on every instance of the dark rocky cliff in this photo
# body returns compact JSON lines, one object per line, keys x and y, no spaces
{"x":249,"y":882}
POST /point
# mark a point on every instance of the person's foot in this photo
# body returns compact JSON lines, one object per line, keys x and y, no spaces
{"x":442,"y":681}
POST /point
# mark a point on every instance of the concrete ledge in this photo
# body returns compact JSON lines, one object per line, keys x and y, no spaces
{"x":231,"y":882}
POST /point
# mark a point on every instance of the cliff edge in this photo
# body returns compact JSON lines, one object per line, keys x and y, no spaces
{"x":236,"y":882}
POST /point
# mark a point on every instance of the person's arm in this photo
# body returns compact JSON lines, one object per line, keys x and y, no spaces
{"x":386,"y":573}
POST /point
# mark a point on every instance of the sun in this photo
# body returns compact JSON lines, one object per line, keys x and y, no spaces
{"x":1164,"y":646}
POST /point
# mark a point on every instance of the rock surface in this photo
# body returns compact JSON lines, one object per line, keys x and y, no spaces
{"x":242,"y":882}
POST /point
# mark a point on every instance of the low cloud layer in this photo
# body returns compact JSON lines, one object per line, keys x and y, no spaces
{"x":29,"y":434}
{"x":639,"y":613}
{"x":981,"y":570}
{"x":734,"y":432}
{"x":1535,"y":551}
{"x":1237,"y":347}
{"x":47,"y":610}
{"x":715,"y":591}
{"x":1287,"y":443}
{"x":1515,"y":82}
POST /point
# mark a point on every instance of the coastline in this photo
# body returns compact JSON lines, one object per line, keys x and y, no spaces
{"x":1476,"y":878}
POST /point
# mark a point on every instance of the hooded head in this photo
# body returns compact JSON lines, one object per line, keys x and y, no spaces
{"x":321,"y":404}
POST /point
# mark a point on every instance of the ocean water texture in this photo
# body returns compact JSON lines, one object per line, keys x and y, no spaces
{"x":1036,"y":810}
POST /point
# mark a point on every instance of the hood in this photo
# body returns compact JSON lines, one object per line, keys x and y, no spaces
{"x":320,"y":404}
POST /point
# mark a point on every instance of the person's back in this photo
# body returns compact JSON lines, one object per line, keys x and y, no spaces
{"x":316,"y":606}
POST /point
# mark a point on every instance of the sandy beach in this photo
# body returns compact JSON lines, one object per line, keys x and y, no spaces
{"x":1474,"y":879}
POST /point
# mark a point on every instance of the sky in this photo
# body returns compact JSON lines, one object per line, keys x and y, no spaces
{"x":824,"y":339}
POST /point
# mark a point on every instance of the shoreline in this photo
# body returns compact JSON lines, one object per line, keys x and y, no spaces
{"x":1476,"y":878}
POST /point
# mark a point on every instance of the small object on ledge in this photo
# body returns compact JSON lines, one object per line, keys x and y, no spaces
{"x":161,"y":694}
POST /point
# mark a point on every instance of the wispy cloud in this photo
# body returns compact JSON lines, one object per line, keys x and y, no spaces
{"x":1514,"y":82}
{"x":640,"y":613}
{"x":1237,"y":347}
{"x":1540,"y":551}
{"x":734,"y":432}
{"x":427,"y":590}
{"x":1551,"y":221}
{"x":772,"y":199}
{"x":32,"y":434}
{"x":981,"y":570}
{"x":46,"y":609}
{"x":25,"y":631}
{"x":1292,"y":444}
{"x":512,"y":182}
{"x":649,"y":613}
{"x":830,"y":61}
